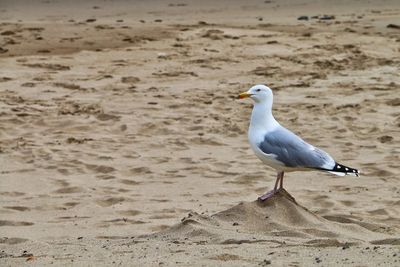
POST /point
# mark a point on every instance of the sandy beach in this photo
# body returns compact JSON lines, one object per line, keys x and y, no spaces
{"x":123,"y":142}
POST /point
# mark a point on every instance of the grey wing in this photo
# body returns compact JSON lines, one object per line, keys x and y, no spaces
{"x":293,"y":151}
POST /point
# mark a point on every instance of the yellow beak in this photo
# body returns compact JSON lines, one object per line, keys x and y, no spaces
{"x":244,"y":95}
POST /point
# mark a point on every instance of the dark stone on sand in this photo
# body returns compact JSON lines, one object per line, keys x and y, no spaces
{"x":302,"y":18}
{"x":346,"y":246}
{"x":327,"y":17}
{"x":265,"y":263}
{"x":130,"y":79}
{"x":385,"y":138}
{"x":393,"y":26}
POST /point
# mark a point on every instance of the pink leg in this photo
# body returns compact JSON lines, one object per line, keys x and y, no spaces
{"x":281,"y":182}
{"x":279,"y":178}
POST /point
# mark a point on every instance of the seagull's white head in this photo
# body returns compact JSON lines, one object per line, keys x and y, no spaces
{"x":259,"y":93}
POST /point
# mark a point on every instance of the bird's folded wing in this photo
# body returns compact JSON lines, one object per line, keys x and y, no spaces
{"x":293,"y":151}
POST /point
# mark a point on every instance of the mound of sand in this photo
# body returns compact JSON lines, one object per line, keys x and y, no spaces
{"x":280,"y":219}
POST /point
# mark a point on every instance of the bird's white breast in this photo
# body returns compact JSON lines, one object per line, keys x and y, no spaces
{"x":262,"y":122}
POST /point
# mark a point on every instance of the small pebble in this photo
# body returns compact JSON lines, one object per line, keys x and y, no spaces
{"x":302,"y":18}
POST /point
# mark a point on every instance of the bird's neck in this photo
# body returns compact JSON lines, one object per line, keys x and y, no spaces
{"x":262,"y":118}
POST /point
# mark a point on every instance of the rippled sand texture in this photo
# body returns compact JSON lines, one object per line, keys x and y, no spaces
{"x":118,"y":119}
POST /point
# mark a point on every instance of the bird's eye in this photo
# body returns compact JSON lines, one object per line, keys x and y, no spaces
{"x":258,"y":90}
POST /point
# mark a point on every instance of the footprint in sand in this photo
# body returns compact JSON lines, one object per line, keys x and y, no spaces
{"x":162,"y":216}
{"x":5,"y":79}
{"x":15,"y":223}
{"x":348,"y":203}
{"x":129,"y":182}
{"x":175,"y":74}
{"x":105,"y":177}
{"x":107,"y":117}
{"x":70,"y":86}
{"x":12,"y":194}
{"x":73,"y":140}
{"x":140,"y":170}
{"x":72,"y":108}
{"x":129,"y":212}
{"x":213,"y":34}
{"x":107,"y":202}
{"x":28,"y":84}
{"x":61,"y":183}
{"x":12,"y":241}
{"x":100,"y":168}
{"x":393,"y":102}
{"x":71,"y":204}
{"x":62,"y":171}
{"x":130,"y":79}
{"x":69,"y":190}
{"x":120,"y":221}
{"x":18,"y":208}
{"x":377,"y":172}
{"x":48,"y":66}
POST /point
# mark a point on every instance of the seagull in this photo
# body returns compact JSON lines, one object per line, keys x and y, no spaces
{"x":281,"y":149}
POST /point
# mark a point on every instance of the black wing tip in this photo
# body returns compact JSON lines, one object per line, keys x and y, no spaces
{"x":344,"y":169}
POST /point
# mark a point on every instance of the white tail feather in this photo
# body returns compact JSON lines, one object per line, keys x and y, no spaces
{"x":345,"y":173}
{"x":338,"y":173}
